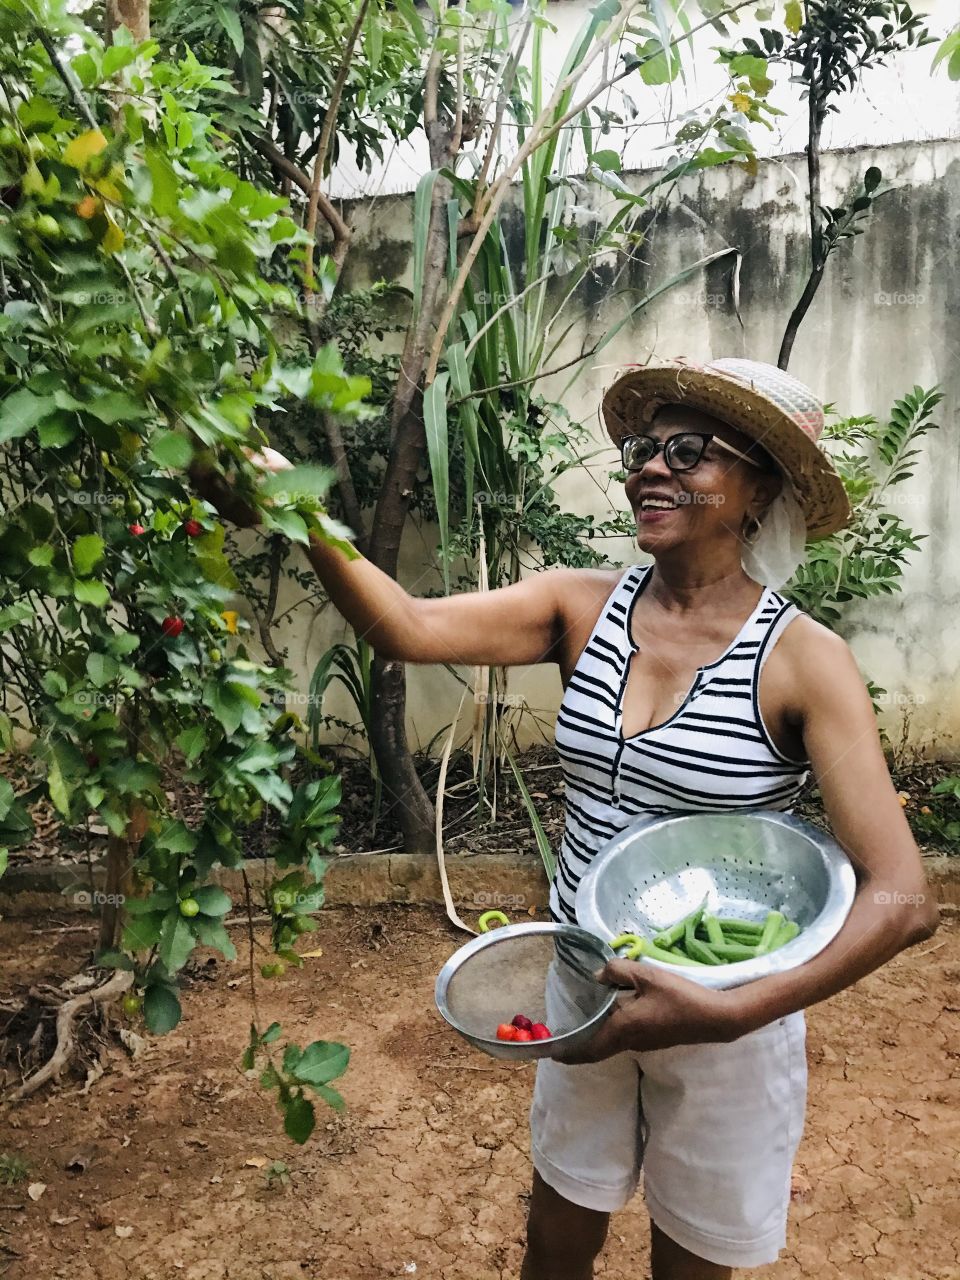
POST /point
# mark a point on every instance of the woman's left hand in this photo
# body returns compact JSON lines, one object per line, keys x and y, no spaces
{"x":664,"y":1010}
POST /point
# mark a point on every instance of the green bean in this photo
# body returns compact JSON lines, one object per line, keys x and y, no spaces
{"x":788,"y":931}
{"x":669,"y":937}
{"x":729,"y":923}
{"x":695,"y":949}
{"x":711,"y":926}
{"x":653,"y":952}
{"x":771,"y":928}
{"x":732,"y":952}
{"x":632,"y":941}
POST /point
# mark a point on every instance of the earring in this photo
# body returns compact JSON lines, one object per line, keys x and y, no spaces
{"x":750,"y":535}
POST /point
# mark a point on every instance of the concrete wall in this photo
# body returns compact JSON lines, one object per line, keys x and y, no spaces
{"x":887,"y":317}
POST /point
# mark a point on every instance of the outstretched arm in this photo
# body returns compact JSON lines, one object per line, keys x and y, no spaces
{"x":511,"y":626}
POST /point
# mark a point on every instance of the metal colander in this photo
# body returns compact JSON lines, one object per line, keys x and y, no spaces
{"x":744,"y":864}
{"x":543,"y":970}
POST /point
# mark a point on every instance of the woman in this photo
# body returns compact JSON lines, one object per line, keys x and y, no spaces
{"x":688,"y":683}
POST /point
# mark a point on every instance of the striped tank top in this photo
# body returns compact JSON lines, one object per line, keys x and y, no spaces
{"x":714,"y":753}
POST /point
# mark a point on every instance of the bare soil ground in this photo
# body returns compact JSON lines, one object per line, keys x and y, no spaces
{"x":152,"y":1175}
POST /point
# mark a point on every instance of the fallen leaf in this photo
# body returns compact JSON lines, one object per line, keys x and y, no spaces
{"x":63,"y":1222}
{"x":133,"y":1043}
{"x":36,"y":1190}
{"x":312,"y":955}
{"x":255,"y":1162}
{"x":124,"y":1232}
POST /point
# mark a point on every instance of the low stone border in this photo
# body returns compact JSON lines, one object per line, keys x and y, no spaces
{"x":513,"y":883}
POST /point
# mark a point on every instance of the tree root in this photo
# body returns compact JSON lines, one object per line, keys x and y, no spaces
{"x":66,"y":1045}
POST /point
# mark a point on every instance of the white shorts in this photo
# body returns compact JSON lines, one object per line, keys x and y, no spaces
{"x":715,"y":1128}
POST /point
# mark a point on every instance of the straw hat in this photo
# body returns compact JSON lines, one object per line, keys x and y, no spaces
{"x":766,"y":404}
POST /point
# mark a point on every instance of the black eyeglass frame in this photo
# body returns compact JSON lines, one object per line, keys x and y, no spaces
{"x":705,"y":437}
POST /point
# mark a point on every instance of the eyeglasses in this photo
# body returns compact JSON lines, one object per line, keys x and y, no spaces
{"x":681,"y":452}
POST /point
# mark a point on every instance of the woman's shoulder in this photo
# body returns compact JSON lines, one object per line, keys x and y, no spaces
{"x":811,"y":657}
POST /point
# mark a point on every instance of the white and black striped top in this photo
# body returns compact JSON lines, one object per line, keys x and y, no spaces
{"x":713,"y":753}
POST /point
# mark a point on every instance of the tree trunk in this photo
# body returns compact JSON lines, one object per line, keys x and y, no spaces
{"x":132,"y":14}
{"x":121,"y":851}
{"x":406,"y":797}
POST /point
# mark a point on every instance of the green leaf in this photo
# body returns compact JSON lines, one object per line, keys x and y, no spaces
{"x":271,"y":1034}
{"x":117,"y":57}
{"x":438,"y":449}
{"x":299,"y":1118}
{"x":41,"y":556}
{"x":298,"y":484}
{"x":101,"y":669}
{"x":21,"y":411}
{"x":87,"y":551}
{"x":213,"y":900}
{"x":142,"y":931}
{"x":165,"y":188}
{"x":321,"y":1062}
{"x":161,"y":1009}
{"x":192,"y":742}
{"x":286,"y":522}
{"x":14,"y":614}
{"x":172,"y":450}
{"x":91,"y":591}
{"x":116,"y":406}
{"x":176,"y":837}
{"x":230,"y":21}
{"x":176,"y":941}
{"x":60,"y":793}
{"x":330,"y":1096}
{"x":114,"y":960}
{"x":212,"y":933}
{"x":793,"y":16}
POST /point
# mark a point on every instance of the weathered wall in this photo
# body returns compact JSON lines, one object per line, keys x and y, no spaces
{"x":887,"y":317}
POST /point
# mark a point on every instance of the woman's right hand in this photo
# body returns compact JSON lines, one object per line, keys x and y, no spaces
{"x":215,"y":488}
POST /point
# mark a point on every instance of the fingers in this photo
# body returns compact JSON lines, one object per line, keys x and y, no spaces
{"x":623,"y":973}
{"x":605,"y":1042}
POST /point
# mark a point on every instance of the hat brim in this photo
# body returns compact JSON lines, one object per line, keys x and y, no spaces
{"x":631,"y":401}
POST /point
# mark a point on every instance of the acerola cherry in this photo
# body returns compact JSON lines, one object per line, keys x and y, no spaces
{"x":522,"y":1021}
{"x":171,"y":627}
{"x":193,"y":528}
{"x":506,"y":1031}
{"x":523,"y":1035}
{"x":136,"y":529}
{"x":540,"y":1032}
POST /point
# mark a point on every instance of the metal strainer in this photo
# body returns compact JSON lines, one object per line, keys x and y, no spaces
{"x":745,"y":864}
{"x":543,"y":970}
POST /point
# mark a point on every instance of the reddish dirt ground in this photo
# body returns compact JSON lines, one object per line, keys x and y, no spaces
{"x":427,"y":1171}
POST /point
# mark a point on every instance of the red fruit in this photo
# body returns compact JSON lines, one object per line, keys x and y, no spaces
{"x":540,"y":1032}
{"x":523,"y":1035}
{"x":506,"y":1031}
{"x":522,"y":1021}
{"x":193,"y":528}
{"x":136,"y":529}
{"x":171,"y":627}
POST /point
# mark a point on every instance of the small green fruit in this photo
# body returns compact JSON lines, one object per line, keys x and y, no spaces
{"x":189,"y":907}
{"x":132,"y":1005}
{"x":214,"y":655}
{"x":133,"y":507}
{"x":48,"y":227}
{"x":72,"y":480}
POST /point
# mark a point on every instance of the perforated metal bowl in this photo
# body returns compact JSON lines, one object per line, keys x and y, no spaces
{"x":745,"y":864}
{"x":541,"y":970}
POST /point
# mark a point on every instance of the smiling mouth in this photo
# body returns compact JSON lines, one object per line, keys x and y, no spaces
{"x":657,"y":504}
